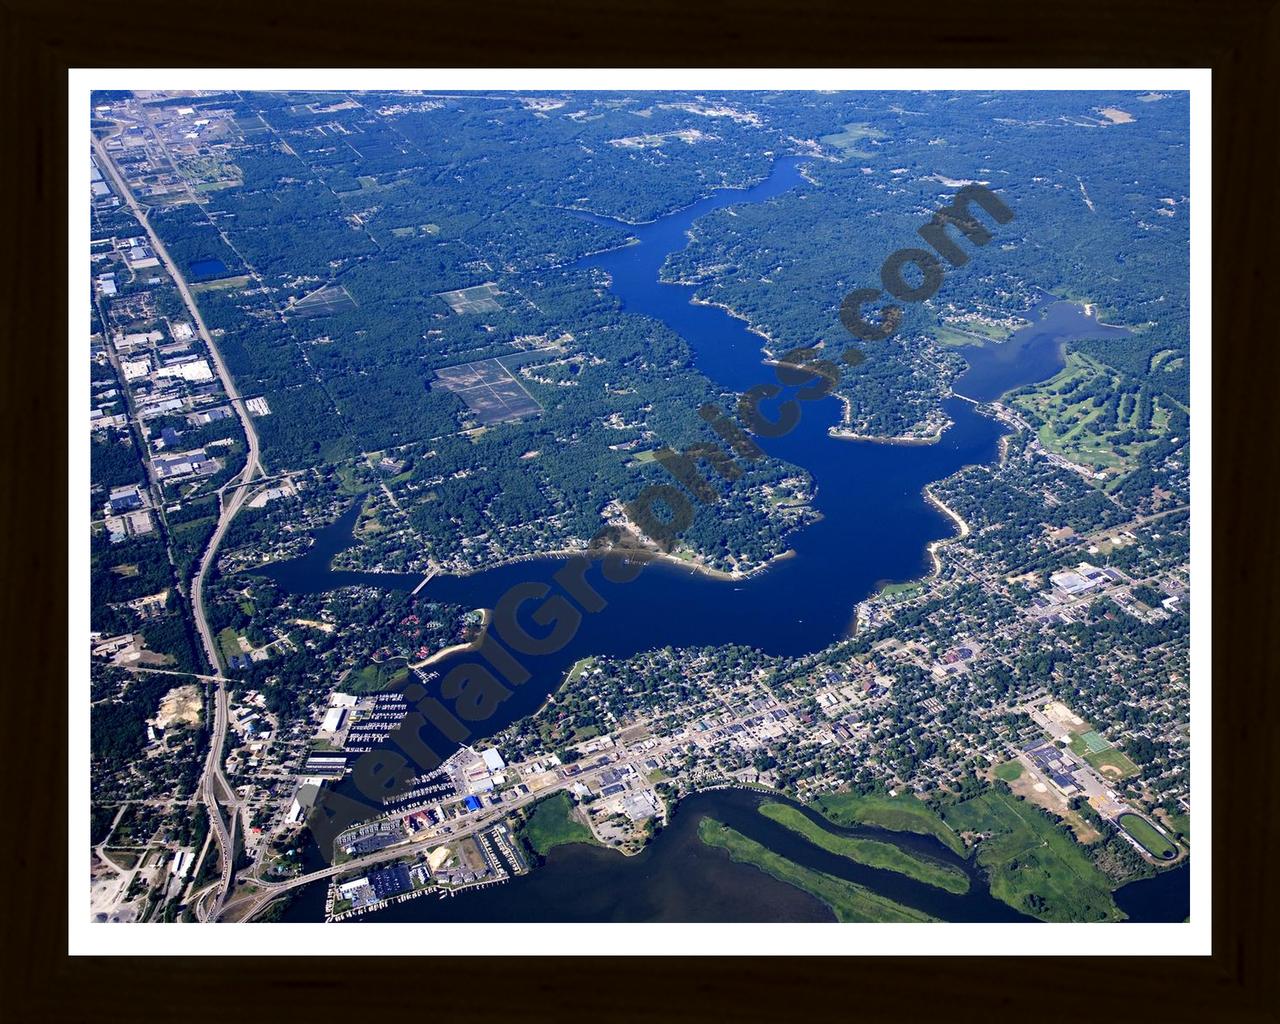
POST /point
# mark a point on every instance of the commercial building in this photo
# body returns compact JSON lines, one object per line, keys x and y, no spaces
{"x":135,"y":368}
{"x":125,"y":499}
{"x":199,"y":419}
{"x":325,"y":764}
{"x":1083,"y":578}
{"x":190,"y":369}
{"x":192,"y":463}
{"x":350,"y":890}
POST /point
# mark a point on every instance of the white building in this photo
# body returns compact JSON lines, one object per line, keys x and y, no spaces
{"x":193,"y":370}
{"x":182,"y":863}
{"x":135,"y":368}
{"x":347,"y":890}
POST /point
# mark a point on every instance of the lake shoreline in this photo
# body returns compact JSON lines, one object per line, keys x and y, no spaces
{"x":937,"y":545}
{"x":486,"y":617}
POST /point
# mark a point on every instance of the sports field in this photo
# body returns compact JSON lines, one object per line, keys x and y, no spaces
{"x":1112,"y":763}
{"x":1094,"y":742}
{"x":1009,"y":771}
{"x":1152,"y":840}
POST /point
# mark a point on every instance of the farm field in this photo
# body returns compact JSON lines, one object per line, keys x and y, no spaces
{"x":480,"y":298}
{"x":490,"y":391}
{"x":326,"y":301}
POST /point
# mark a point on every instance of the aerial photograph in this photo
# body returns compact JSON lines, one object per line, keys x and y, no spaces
{"x":631,"y":506}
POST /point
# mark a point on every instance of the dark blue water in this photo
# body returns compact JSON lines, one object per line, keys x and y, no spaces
{"x":201,"y":269}
{"x":1164,"y":899}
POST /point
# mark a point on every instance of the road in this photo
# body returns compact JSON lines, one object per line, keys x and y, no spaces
{"x":622,"y":753}
{"x":212,"y":779}
{"x":459,"y":828}
{"x":247,"y":906}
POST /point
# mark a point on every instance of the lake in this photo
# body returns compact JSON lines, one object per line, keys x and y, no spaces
{"x":875,"y":525}
{"x":206,"y":268}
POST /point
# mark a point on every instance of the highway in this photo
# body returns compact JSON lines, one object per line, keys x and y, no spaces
{"x":460,"y":827}
{"x":212,"y":778}
{"x":268,"y":891}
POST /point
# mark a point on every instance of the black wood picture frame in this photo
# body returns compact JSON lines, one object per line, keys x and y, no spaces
{"x":1238,"y":39}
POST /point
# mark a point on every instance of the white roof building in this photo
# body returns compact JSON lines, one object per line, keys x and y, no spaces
{"x":348,"y":889}
{"x":493,"y":760}
{"x":182,"y":862}
{"x":194,"y":370}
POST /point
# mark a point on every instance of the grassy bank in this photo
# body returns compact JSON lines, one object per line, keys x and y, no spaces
{"x":849,"y":902}
{"x":1033,"y":866}
{"x":871,"y":852}
{"x":377,"y":678}
{"x":552,"y":824}
{"x":901,"y":813}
